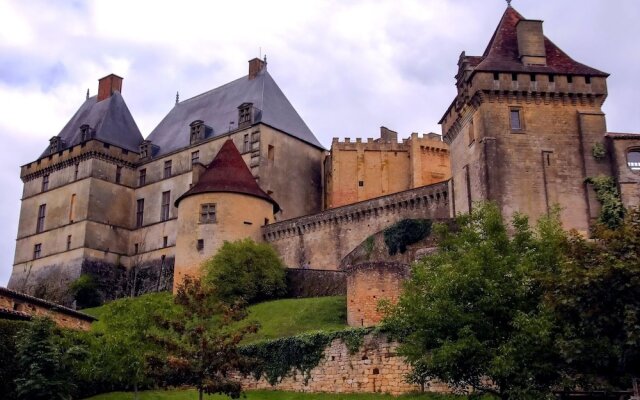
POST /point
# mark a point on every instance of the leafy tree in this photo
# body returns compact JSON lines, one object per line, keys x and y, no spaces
{"x":470,"y":314}
{"x":9,"y":371}
{"x":43,"y":363}
{"x":85,"y":291}
{"x":595,"y":299}
{"x":200,"y":344}
{"x":246,"y":269}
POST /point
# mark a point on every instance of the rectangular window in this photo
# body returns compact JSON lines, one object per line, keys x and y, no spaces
{"x":569,"y":79}
{"x":552,"y":78}
{"x":208,"y":213}
{"x":247,"y":144}
{"x":472,"y":133}
{"x":37,"y":250}
{"x":136,"y":248}
{"x":516,"y":119}
{"x":139,"y":213}
{"x":76,"y":171}
{"x":45,"y":182}
{"x":142,"y":179}
{"x":195,"y":157}
{"x":361,"y":183}
{"x":164,"y":208}
{"x":165,"y":241}
{"x":200,"y":244}
{"x":496,"y":76}
{"x":271,"y":153}
{"x":244,"y":115}
{"x":118,"y":173}
{"x":41,"y":214}
{"x":532,"y":77}
{"x":167,"y":169}
{"x":587,"y":80}
{"x":514,"y":77}
{"x":69,"y":242}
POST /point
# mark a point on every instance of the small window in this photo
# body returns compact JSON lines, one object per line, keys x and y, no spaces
{"x":142,"y":178}
{"x":516,"y":119}
{"x":195,"y":157}
{"x":200,"y":244}
{"x":569,"y":79}
{"x":361,"y":183}
{"x":68,"y":242}
{"x":587,"y":80}
{"x":496,"y":76}
{"x":633,"y":160}
{"x":165,"y":241}
{"x":72,"y":208}
{"x":532,"y":77}
{"x":514,"y":77}
{"x":552,"y":78}
{"x":472,"y":133}
{"x":106,"y":145}
{"x":37,"y":250}
{"x":247,"y":145}
{"x":139,"y":213}
{"x":45,"y":182}
{"x":118,"y":173}
{"x":167,"y":169}
{"x":208,"y":213}
{"x":244,"y":114}
{"x":271,"y":153}
{"x":42,"y":210}
{"x":76,"y":171}
{"x":164,"y":208}
{"x":136,"y":248}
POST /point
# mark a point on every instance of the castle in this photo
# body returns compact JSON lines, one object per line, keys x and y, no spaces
{"x":525,"y":130}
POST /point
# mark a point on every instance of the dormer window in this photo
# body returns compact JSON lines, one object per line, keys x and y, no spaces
{"x":85,"y":132}
{"x":145,"y":149}
{"x":245,"y":114}
{"x":197,"y":131}
{"x":55,"y":144}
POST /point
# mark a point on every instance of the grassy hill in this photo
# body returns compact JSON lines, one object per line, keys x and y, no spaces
{"x":277,"y":318}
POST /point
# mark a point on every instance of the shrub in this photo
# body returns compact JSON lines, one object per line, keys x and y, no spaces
{"x":246,"y":270}
{"x":404,"y":233}
{"x":85,"y":292}
{"x":9,"y":370}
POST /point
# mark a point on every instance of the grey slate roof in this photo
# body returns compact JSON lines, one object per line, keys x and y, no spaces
{"x":110,"y":119}
{"x":218,"y":107}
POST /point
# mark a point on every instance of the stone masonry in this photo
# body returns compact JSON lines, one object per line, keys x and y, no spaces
{"x":376,"y":367}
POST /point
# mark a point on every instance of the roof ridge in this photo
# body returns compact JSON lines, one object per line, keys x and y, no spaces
{"x":212,"y":90}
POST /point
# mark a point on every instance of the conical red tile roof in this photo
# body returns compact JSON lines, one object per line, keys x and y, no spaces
{"x":228,"y":173}
{"x":501,"y":54}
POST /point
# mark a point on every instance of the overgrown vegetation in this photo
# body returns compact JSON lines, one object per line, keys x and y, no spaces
{"x":598,"y":151}
{"x":279,"y":358}
{"x":612,"y":212}
{"x":85,"y":291}
{"x":404,"y":233}
{"x":246,"y":269}
{"x":517,"y":315}
{"x":9,"y":370}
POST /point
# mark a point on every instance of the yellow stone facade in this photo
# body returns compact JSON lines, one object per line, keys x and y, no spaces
{"x":361,"y":170}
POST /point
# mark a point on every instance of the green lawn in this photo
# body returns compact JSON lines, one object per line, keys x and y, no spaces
{"x":277,"y":318}
{"x":269,"y":395}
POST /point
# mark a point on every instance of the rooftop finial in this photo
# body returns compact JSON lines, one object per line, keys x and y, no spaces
{"x":265,"y":58}
{"x":87,"y":93}
{"x":508,"y":3}
{"x":177,"y":97}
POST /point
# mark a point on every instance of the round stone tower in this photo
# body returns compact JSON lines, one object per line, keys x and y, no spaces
{"x":225,"y":204}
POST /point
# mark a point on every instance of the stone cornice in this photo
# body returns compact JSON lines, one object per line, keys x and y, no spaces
{"x":73,"y":160}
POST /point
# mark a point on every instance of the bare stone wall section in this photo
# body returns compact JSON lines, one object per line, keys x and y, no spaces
{"x":376,"y":367}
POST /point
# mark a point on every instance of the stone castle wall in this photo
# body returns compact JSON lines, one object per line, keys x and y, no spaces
{"x":375,"y":367}
{"x":322,"y":240}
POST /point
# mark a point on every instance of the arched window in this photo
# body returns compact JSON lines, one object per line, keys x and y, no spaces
{"x":633,"y":159}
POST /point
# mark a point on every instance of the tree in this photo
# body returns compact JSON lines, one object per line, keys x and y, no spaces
{"x":85,"y":291}
{"x":43,"y":363}
{"x":246,"y":269}
{"x":201,"y":346}
{"x":470,"y":314}
{"x":595,"y":300}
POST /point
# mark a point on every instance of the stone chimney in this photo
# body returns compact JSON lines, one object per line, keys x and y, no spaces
{"x":107,"y":85}
{"x":387,"y":135}
{"x":531,"y":42}
{"x":255,"y":66}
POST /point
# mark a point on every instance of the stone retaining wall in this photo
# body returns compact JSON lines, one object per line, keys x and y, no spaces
{"x":376,"y":367}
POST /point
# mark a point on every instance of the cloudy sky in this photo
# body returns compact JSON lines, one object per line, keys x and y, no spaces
{"x":347,"y":66}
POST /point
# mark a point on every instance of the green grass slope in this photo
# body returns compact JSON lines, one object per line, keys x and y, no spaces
{"x":277,"y":318}
{"x":270,"y":395}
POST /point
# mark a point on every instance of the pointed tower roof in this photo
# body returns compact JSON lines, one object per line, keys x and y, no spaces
{"x":501,"y":54}
{"x":228,"y":173}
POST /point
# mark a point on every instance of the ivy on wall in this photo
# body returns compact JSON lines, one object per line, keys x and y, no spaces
{"x":278,"y":358}
{"x":598,"y":151}
{"x":404,"y":233}
{"x":612,"y":212}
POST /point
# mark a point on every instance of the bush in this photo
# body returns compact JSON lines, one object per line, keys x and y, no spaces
{"x":9,"y":370}
{"x":404,"y":233}
{"x":85,"y":292}
{"x":246,"y":270}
